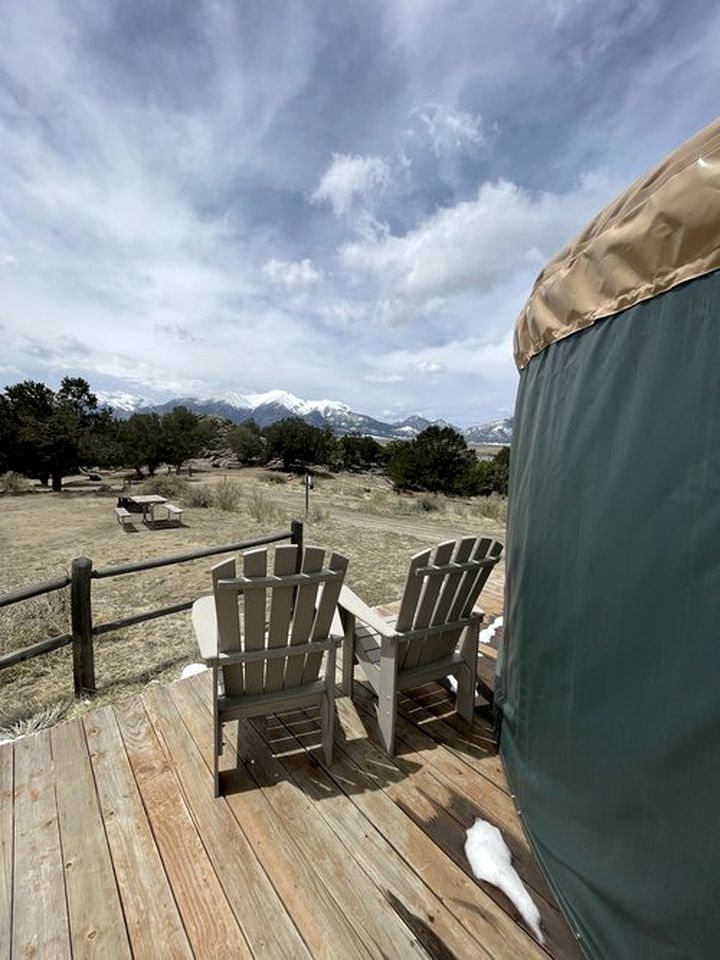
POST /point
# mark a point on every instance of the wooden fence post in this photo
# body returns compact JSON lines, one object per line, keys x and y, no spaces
{"x":81,"y":616}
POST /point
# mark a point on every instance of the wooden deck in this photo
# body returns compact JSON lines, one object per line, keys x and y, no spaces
{"x":111,"y":844}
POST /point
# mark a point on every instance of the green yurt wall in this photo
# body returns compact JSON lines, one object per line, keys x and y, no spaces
{"x":609,"y":680}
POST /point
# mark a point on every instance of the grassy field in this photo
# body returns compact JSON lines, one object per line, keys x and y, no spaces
{"x":41,"y":532}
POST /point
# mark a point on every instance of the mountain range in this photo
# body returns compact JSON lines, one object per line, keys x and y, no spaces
{"x":267,"y":408}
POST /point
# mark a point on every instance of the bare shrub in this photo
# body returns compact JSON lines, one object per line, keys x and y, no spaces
{"x":494,"y":507}
{"x":261,"y":507}
{"x":429,"y":503}
{"x":199,"y":496}
{"x":271,"y":477}
{"x":173,"y":488}
{"x":13,"y":483}
{"x":227,"y":495}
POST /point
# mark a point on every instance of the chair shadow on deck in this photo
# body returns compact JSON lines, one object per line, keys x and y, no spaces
{"x":263,"y":751}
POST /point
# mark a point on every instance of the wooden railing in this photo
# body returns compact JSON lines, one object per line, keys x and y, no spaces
{"x":83,"y":631}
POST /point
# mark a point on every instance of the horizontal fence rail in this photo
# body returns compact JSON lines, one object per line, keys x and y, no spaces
{"x":35,"y":590}
{"x":118,"y":571}
{"x":80,"y":583}
{"x":35,"y":650}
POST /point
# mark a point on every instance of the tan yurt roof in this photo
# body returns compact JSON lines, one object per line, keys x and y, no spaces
{"x":664,"y":230}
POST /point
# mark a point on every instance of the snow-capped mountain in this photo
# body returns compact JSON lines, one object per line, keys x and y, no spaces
{"x":123,"y":403}
{"x":499,"y":431}
{"x":274,"y":405}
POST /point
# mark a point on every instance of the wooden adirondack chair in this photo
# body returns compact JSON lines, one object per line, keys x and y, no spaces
{"x":435,"y":633}
{"x":265,"y":636}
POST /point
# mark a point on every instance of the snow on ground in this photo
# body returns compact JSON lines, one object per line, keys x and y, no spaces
{"x":191,"y":669}
{"x":491,"y":861}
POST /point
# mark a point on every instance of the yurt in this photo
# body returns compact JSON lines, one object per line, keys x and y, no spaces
{"x":609,"y":679}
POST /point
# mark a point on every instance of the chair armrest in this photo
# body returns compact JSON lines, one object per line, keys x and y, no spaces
{"x":204,"y":623}
{"x":358,"y":608}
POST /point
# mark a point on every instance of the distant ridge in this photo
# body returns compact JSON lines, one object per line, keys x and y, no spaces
{"x":267,"y":408}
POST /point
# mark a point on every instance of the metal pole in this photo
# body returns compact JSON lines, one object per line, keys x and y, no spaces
{"x":296,"y":534}
{"x":81,"y":616}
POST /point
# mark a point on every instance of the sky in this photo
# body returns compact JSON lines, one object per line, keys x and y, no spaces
{"x":341,"y":200}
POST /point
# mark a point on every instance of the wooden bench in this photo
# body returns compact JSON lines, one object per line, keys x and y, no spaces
{"x":174,"y":512}
{"x":123,"y":516}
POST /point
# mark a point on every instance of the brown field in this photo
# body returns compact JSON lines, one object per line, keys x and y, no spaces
{"x":41,"y":532}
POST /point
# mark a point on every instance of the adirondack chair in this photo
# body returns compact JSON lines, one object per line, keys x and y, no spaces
{"x":265,"y":636}
{"x":434,"y":635}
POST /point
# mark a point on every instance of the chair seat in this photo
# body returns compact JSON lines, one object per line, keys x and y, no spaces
{"x":253,"y":705}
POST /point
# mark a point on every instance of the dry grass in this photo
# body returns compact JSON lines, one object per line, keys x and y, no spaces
{"x":13,"y":483}
{"x":40,"y":534}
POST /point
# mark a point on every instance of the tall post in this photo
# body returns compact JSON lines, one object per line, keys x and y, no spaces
{"x":81,"y":616}
{"x":307,"y":493}
{"x":296,"y":534}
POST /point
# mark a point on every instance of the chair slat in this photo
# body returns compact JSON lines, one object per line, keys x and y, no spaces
{"x":326,"y":606}
{"x":442,"y":645}
{"x":452,"y":582}
{"x":471,"y":586}
{"x":411,"y":593}
{"x":432,"y":584}
{"x":254,"y":565}
{"x":470,"y":579}
{"x":286,"y":558}
{"x":226,"y":610}
{"x":304,"y":614}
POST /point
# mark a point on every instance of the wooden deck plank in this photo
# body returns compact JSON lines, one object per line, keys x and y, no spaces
{"x":362,"y":859}
{"x":433,"y":711}
{"x":266,"y":924}
{"x":423,"y":910}
{"x":356,"y":896}
{"x":152,"y":918}
{"x":207,"y":917}
{"x":6,"y":847}
{"x":323,"y":925}
{"x":364,"y":765}
{"x":445,"y":801}
{"x":40,"y":925}
{"x":97,"y":926}
{"x":416,"y":748}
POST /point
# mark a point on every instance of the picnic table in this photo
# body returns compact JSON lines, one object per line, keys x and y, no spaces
{"x":147,"y":502}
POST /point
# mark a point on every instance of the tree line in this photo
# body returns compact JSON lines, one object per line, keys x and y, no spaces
{"x":47,"y":434}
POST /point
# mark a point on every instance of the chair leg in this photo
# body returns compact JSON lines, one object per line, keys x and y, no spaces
{"x":327,"y":707}
{"x":466,"y":675}
{"x":465,"y":702}
{"x":217,"y":737}
{"x":387,"y":696}
{"x":216,"y":765}
{"x":348,"y":653}
{"x":327,"y":714}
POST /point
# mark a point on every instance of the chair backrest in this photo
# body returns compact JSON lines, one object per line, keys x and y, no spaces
{"x":442,"y":587}
{"x":260,"y":611}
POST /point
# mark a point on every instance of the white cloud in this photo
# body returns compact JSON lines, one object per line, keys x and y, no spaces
{"x":428,"y":366}
{"x":450,"y":131}
{"x":350,"y":179}
{"x":292,"y":276}
{"x":475,"y":245}
{"x":384,"y":378}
